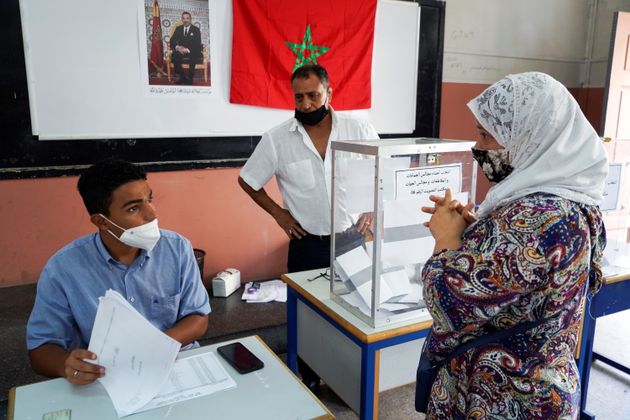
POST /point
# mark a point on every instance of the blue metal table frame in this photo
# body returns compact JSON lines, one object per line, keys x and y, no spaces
{"x":613,"y":297}
{"x":369,"y":344}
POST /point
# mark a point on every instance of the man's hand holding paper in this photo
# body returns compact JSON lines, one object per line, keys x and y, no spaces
{"x":138,"y":357}
{"x":81,"y":368}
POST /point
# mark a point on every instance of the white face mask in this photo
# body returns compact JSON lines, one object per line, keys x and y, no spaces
{"x":143,"y":236}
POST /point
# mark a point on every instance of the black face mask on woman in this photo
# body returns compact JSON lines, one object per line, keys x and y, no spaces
{"x":495,"y":164}
{"x":313,"y":117}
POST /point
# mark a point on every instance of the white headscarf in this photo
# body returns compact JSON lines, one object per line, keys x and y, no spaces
{"x":552,"y":146}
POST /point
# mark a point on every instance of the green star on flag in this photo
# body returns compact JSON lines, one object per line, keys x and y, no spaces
{"x":306,"y":52}
{"x":270,"y":37}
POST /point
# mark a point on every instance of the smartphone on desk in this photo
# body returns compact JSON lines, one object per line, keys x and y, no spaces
{"x":240,"y":357}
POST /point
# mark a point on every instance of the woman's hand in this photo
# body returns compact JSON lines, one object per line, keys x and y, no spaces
{"x":467,"y":211}
{"x":449,"y":219}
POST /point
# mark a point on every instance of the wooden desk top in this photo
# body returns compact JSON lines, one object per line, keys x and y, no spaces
{"x":617,"y":278}
{"x":317,"y":292}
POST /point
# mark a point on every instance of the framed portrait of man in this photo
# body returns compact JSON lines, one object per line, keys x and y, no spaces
{"x":178,"y":42}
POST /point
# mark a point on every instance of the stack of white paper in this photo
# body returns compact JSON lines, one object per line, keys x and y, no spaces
{"x":136,"y":355}
{"x":192,"y":377}
{"x":354,"y":299}
{"x":397,"y":281}
{"x":385,"y":309}
{"x":357,"y":267}
{"x":268,"y":291}
{"x":140,"y":364}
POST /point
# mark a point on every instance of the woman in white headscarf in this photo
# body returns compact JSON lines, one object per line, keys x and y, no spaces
{"x":533,"y":252}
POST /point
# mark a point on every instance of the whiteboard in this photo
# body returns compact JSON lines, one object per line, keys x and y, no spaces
{"x":86,"y":81}
{"x":484,"y":40}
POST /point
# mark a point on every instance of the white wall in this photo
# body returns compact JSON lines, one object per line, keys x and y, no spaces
{"x":604,"y":11}
{"x":569,"y":39}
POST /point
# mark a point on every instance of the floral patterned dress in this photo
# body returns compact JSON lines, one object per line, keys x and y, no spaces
{"x":530,"y":259}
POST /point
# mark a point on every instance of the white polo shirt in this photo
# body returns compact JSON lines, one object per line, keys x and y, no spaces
{"x":304,"y":179}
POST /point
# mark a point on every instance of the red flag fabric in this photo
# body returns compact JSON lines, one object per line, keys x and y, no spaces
{"x":157,"y":48}
{"x":273,"y":37}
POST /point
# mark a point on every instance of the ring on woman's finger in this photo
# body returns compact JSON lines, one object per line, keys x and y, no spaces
{"x":75,"y":373}
{"x":290,"y":231}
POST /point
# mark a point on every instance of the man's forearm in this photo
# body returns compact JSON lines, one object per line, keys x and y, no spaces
{"x":188,"y":329}
{"x":261,"y":198}
{"x":48,"y":360}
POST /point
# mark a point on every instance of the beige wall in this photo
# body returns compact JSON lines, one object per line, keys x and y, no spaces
{"x":37,"y":217}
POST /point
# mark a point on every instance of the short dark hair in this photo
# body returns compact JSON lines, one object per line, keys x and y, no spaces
{"x":186,"y":13}
{"x":307,"y":70}
{"x":98,"y":182}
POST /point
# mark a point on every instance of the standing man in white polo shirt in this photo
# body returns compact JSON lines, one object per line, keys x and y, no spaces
{"x":298,"y":153}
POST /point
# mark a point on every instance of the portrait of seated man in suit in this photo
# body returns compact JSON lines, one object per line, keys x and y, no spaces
{"x":186,"y":48}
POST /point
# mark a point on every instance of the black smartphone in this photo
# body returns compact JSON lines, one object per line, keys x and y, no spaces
{"x":240,"y":357}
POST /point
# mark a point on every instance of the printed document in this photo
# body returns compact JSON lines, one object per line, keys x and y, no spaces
{"x":136,"y":355}
{"x":411,"y":183}
{"x":141,"y":371}
{"x":192,"y":377}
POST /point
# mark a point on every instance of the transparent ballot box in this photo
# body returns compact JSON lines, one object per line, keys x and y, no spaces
{"x":376,"y":271}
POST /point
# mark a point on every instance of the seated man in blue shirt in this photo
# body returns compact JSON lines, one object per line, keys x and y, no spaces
{"x":154,"y":269}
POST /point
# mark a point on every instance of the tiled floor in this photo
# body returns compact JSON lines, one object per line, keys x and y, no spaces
{"x":609,"y":389}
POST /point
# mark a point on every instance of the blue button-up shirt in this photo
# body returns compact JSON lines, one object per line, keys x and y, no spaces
{"x":164,"y":285}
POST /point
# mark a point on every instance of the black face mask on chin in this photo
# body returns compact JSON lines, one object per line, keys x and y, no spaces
{"x":313,"y":117}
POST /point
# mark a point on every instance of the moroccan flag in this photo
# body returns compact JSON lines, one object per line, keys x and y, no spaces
{"x":273,"y":37}
{"x":157,"y":50}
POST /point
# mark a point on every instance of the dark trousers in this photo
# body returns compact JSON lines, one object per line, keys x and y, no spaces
{"x":308,"y":253}
{"x":179,"y":59}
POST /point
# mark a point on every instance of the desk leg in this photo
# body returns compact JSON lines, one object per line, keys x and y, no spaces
{"x":292,"y":329}
{"x":610,"y":362}
{"x":377,"y":370}
{"x":369,"y":382}
{"x":586,"y":359}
